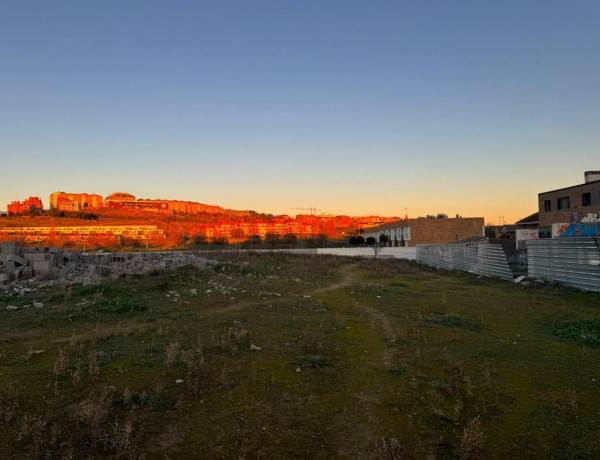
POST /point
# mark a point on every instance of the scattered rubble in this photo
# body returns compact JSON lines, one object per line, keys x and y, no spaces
{"x":49,"y":266}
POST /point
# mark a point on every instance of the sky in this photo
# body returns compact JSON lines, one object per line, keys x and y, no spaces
{"x":351,"y":107}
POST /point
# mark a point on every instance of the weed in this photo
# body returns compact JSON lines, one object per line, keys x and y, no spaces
{"x":31,"y":434}
{"x":60,"y":363}
{"x":312,"y":339}
{"x":312,"y":361}
{"x":397,"y":371}
{"x":472,"y":440}
{"x":94,"y":363}
{"x":230,"y":340}
{"x":98,"y":296}
{"x":390,"y":449}
{"x":65,"y":291}
{"x":171,"y":353}
{"x":8,"y":406}
{"x":583,"y":332}
{"x":76,"y":377}
{"x":456,"y":322}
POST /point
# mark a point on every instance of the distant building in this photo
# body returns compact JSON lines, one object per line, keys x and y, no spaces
{"x":119,"y":197}
{"x":30,"y":205}
{"x":571,"y":205}
{"x":75,"y":201}
{"x":440,"y":230}
{"x":527,"y":229}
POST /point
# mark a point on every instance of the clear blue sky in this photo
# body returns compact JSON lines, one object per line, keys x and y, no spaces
{"x":351,"y":107}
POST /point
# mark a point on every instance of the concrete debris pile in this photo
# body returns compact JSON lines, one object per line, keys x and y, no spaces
{"x":56,"y":266}
{"x":18,"y":262}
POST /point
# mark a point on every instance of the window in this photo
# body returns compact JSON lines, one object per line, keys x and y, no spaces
{"x":547,"y":205}
{"x":563,"y":203}
{"x":586,"y":199}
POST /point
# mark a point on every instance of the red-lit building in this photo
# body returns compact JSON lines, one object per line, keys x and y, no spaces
{"x":30,"y":205}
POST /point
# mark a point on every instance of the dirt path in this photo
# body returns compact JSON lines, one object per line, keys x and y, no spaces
{"x":386,"y":325}
{"x":348,"y":278}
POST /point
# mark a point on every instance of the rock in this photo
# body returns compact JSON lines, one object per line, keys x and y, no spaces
{"x":12,"y":308}
{"x":38,"y":304}
{"x":436,"y":384}
{"x":518,"y":279}
{"x":255,"y":348}
{"x":297,"y":369}
{"x":178,"y":381}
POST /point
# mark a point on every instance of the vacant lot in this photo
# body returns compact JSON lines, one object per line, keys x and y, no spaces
{"x":301,"y":357}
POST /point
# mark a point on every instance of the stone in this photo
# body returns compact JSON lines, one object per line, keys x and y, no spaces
{"x":38,"y":304}
{"x":179,"y":381}
{"x":255,"y":348}
{"x":12,"y":308}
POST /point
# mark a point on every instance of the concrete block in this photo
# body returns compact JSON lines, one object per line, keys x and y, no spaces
{"x":42,"y":267}
{"x":10,"y":247}
{"x":19,"y":261}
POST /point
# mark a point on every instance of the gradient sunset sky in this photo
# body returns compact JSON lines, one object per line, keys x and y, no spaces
{"x":358,"y":108}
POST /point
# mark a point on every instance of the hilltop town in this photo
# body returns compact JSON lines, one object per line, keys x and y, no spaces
{"x":122,"y":219}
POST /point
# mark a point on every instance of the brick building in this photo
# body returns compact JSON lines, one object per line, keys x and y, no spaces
{"x":575,"y":204}
{"x":411,"y":232}
{"x":31,"y":204}
{"x":74,"y":201}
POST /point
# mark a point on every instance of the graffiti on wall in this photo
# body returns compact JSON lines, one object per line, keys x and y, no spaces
{"x":591,"y":217}
{"x":587,"y":229}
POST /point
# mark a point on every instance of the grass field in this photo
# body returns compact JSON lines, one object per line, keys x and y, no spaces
{"x":301,"y":357}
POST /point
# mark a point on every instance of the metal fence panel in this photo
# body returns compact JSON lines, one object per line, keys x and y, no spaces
{"x":482,"y":259}
{"x":570,"y":261}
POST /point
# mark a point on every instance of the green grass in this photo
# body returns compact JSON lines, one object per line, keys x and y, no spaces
{"x":358,"y":359}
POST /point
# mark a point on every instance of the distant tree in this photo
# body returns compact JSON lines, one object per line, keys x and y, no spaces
{"x":199,"y":240}
{"x":183,"y":238}
{"x":371,"y":241}
{"x":254,"y":240}
{"x":219,"y":240}
{"x":356,"y":241}
{"x":273,"y":239}
{"x":322,"y":239}
{"x":383,"y":239}
{"x":290,"y":238}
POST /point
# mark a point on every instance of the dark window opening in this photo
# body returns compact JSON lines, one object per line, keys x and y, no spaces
{"x":586,"y":199}
{"x":563,"y":203}
{"x":547,"y":205}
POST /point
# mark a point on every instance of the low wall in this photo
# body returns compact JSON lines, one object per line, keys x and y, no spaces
{"x":384,"y":253}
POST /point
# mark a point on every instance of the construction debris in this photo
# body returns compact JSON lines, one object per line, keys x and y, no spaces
{"x":49,"y":266}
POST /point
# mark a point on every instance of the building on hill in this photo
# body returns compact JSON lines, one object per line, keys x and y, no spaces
{"x":30,"y":205}
{"x":118,"y":198}
{"x":423,"y":230}
{"x":75,"y":201}
{"x":128,"y":201}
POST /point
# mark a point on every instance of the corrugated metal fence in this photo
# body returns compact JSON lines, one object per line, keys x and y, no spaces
{"x":569,"y":261}
{"x":481,"y":259}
